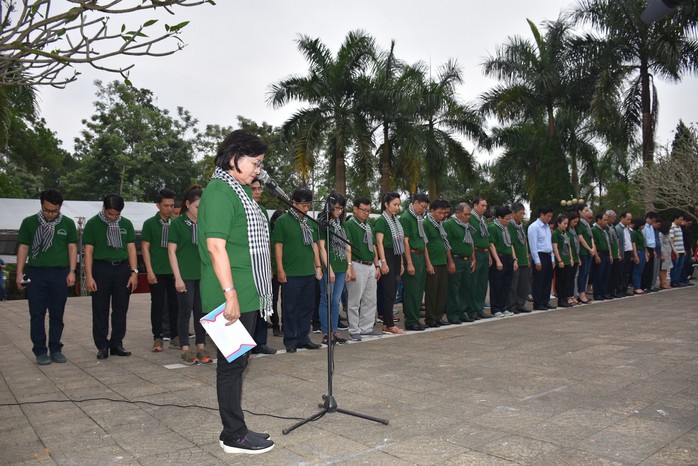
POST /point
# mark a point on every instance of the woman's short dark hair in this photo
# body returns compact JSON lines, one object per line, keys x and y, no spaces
{"x":561,"y":218}
{"x":239,"y":143}
{"x":302,"y":195}
{"x":52,"y":196}
{"x":113,"y":201}
{"x":193,"y":193}
{"x":665,"y":226}
{"x":572,"y":214}
{"x":334,"y":199}
{"x":388,"y":198}
{"x":638,"y":223}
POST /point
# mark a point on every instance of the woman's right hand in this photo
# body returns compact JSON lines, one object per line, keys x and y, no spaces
{"x":90,"y":284}
{"x":152,"y":279}
{"x":281,"y":276}
{"x":179,"y":285}
{"x":231,"y":313}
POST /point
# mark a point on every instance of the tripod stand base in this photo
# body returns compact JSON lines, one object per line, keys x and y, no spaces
{"x":330,"y":406}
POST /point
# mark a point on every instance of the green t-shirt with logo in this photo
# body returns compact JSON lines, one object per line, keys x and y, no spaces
{"x":356,"y":235}
{"x":383,"y":227}
{"x":188,"y":258}
{"x":558,"y":238}
{"x":479,"y":241}
{"x":298,"y":257}
{"x":411,"y":230}
{"x":582,"y":231}
{"x":95,"y":234}
{"x":519,"y":247}
{"x":599,"y":238}
{"x":222,"y":216}
{"x":152,"y":233}
{"x":455,"y":234}
{"x":65,"y":233}
{"x":497,"y":238}
{"x":436,"y":245}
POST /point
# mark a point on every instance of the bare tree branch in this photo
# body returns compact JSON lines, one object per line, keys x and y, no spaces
{"x":41,"y":46}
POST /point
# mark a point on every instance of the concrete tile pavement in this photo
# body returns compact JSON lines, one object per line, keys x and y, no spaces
{"x":609,"y":383}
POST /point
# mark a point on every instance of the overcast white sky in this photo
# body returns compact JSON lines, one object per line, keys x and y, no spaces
{"x":237,"y":48}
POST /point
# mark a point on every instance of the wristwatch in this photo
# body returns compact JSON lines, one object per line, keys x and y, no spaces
{"x":134,"y":271}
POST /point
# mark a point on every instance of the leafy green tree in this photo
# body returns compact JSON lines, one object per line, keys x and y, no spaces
{"x":632,"y":54}
{"x":132,"y":147}
{"x":333,"y":121}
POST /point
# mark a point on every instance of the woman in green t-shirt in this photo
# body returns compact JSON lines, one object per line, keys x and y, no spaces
{"x":183,"y":252}
{"x":390,"y":243}
{"x":575,"y":247}
{"x":563,"y":262}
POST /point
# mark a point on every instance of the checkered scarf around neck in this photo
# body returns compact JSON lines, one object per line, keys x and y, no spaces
{"x":397,"y":233}
{"x":305,"y":228}
{"x":586,"y":225}
{"x":258,"y":240}
{"x":368,"y":234}
{"x":165,"y":231}
{"x":565,"y":244}
{"x":43,"y":239}
{"x":339,"y":247}
{"x":194,"y":229}
{"x":520,"y":235}
{"x":468,"y":237}
{"x":442,"y":230}
{"x":505,"y":232}
{"x":575,"y":238}
{"x":420,"y":223}
{"x":605,"y":233}
{"x":612,"y":233}
{"x":113,"y":231}
{"x":484,"y":232}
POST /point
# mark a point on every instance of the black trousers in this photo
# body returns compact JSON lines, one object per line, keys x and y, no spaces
{"x":616,"y":277}
{"x":542,"y":280}
{"x":387,"y":285}
{"x":275,"y":317}
{"x":229,"y":387}
{"x":602,"y":275}
{"x":298,"y":295}
{"x":190,"y":302}
{"x":112,"y":289}
{"x":627,"y":270}
{"x":48,"y":290}
{"x":163,"y":298}
{"x":500,"y":283}
{"x":562,"y":282}
{"x":648,"y":271}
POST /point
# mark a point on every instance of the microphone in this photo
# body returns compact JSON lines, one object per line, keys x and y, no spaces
{"x":272,"y":185}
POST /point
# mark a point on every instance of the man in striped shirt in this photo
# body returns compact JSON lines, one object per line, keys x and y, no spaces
{"x":677,"y":247}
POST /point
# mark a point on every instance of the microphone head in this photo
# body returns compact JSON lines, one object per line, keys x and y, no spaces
{"x":263,"y":176}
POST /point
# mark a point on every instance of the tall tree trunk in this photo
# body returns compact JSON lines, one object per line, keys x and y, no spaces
{"x":647,"y":116}
{"x":386,"y":185}
{"x":574,"y":175}
{"x":340,"y":173}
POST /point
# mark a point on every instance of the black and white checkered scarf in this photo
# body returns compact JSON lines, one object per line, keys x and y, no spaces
{"x":194,"y":229}
{"x":575,"y":238}
{"x":258,"y":240}
{"x":565,"y":244}
{"x":368,"y":234}
{"x":442,"y":230}
{"x":305,"y":228}
{"x":43,"y":239}
{"x":520,"y":234}
{"x":339,"y":247}
{"x":505,"y":232}
{"x":484,"y":232}
{"x":113,"y":231}
{"x":397,"y":233}
{"x":586,"y":226}
{"x":164,"y":239}
{"x":468,"y":237}
{"x":420,"y":223}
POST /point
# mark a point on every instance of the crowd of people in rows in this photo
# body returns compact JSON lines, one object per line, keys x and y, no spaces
{"x":223,"y":249}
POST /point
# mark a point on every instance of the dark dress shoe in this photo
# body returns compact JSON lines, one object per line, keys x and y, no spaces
{"x":540,"y":308}
{"x":467,"y":318}
{"x":550,"y":306}
{"x":598,"y":298}
{"x":276,"y":331}
{"x":103,"y":353}
{"x":476,"y":317}
{"x":608,"y":296}
{"x":119,"y":351}
{"x":431,"y":323}
{"x":442,"y":323}
{"x":564,"y":304}
{"x":455,"y":322}
{"x":311,"y":345}
{"x":524,"y":310}
{"x":415,"y":328}
{"x":263,"y":349}
{"x":291,"y":349}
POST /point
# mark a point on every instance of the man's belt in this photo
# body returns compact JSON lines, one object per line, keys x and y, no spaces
{"x":456,"y":256}
{"x":363,"y":262}
{"x":114,"y":263}
{"x":415,"y":251}
{"x":482,"y":249}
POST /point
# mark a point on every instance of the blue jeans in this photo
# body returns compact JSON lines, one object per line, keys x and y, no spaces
{"x":637,"y":271}
{"x":583,"y":277}
{"x":336,"y":289}
{"x":677,"y":275}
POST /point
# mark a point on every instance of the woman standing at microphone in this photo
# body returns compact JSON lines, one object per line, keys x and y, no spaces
{"x":235,"y":270}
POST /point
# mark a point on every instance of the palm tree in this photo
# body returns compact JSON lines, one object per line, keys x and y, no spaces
{"x":637,"y":52}
{"x":432,"y":134}
{"x":333,"y":120}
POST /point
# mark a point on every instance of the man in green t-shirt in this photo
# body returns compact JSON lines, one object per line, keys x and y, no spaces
{"x":439,"y":264}
{"x":481,"y":244}
{"x":460,"y":284}
{"x":49,"y":240}
{"x":521,"y":280}
{"x":414,"y":277}
{"x":297,"y":269}
{"x":163,"y":296}
{"x":602,"y":258}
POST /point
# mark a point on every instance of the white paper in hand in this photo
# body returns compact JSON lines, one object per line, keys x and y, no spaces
{"x":232,"y":340}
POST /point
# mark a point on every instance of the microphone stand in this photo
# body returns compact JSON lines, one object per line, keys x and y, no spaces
{"x":329,"y":404}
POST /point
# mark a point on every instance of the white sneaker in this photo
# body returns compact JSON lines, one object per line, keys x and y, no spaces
{"x":498,"y":314}
{"x":507,"y":313}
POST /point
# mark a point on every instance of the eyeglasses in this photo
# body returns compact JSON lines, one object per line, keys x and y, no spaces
{"x":258,"y":164}
{"x":366,"y":211}
{"x":305,"y":204}
{"x":339,"y":208}
{"x":260,"y":189}
{"x":51,"y":212}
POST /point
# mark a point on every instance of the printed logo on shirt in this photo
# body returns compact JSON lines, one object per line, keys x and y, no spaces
{"x":122,"y":231}
{"x":62,"y":232}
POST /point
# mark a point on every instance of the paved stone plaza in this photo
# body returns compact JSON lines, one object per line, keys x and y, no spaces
{"x":609,"y":383}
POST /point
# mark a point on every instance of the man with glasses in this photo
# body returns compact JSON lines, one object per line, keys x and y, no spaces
{"x":297,"y":268}
{"x":49,"y":240}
